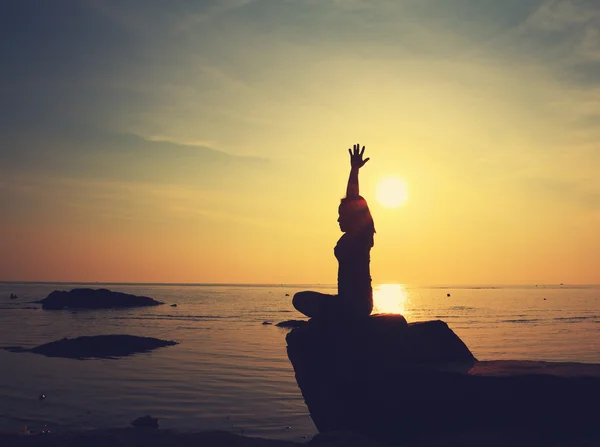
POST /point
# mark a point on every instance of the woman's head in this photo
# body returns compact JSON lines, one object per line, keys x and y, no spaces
{"x":355,"y":217}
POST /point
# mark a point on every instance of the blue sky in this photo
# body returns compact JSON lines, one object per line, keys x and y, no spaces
{"x":186,"y":70}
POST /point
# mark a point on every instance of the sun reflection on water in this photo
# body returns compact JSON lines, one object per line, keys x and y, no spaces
{"x":390,"y":299}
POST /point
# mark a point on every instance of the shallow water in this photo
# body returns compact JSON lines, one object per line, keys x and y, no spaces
{"x":230,"y":371}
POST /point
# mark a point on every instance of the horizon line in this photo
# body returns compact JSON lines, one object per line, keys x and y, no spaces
{"x":457,"y":285}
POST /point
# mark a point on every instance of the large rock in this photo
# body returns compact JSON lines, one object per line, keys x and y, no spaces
{"x":390,"y":380}
{"x":94,"y":299}
{"x":97,"y":346}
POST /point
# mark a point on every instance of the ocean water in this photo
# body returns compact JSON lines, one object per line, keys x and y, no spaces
{"x":230,"y":371}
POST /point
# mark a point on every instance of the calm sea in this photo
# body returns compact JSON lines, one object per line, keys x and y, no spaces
{"x":230,"y":371}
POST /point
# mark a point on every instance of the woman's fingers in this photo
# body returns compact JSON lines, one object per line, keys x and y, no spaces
{"x":356,"y":154}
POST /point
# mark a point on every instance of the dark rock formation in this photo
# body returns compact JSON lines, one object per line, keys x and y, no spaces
{"x":98,"y":346}
{"x":390,"y":381}
{"x":94,"y":299}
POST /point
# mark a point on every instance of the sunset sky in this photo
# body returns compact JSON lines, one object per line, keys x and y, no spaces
{"x":206,"y":141}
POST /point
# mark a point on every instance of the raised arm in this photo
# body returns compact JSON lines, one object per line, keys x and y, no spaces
{"x":356,"y":162}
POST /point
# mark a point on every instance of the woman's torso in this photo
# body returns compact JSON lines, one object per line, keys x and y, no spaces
{"x":354,"y":276}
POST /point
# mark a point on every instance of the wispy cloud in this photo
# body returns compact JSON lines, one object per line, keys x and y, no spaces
{"x":562,"y":15}
{"x":213,"y":10}
{"x":566,"y":31}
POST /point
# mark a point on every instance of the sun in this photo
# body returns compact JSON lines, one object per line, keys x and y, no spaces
{"x":390,"y":299}
{"x":392,"y":192}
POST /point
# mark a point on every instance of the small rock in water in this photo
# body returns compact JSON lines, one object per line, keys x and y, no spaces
{"x":291,"y":323}
{"x":447,"y":294}
{"x":145,"y":421}
{"x":42,"y":396}
{"x":173,"y":305}
{"x":267,"y":322}
{"x":287,"y":294}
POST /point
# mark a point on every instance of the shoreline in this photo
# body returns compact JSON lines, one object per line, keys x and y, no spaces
{"x":136,"y":437}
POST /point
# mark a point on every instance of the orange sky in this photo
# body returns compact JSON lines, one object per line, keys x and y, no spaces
{"x":210,"y":145}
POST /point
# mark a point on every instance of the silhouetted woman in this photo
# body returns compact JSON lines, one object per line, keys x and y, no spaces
{"x":353,"y":249}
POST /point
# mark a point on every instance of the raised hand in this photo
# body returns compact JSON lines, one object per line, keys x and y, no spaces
{"x":356,"y":156}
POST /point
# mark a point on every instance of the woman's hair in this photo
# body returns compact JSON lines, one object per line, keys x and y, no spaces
{"x":358,"y":212}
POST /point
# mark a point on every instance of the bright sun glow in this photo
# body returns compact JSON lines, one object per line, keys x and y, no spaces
{"x":392,"y":192}
{"x":389,"y":299}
